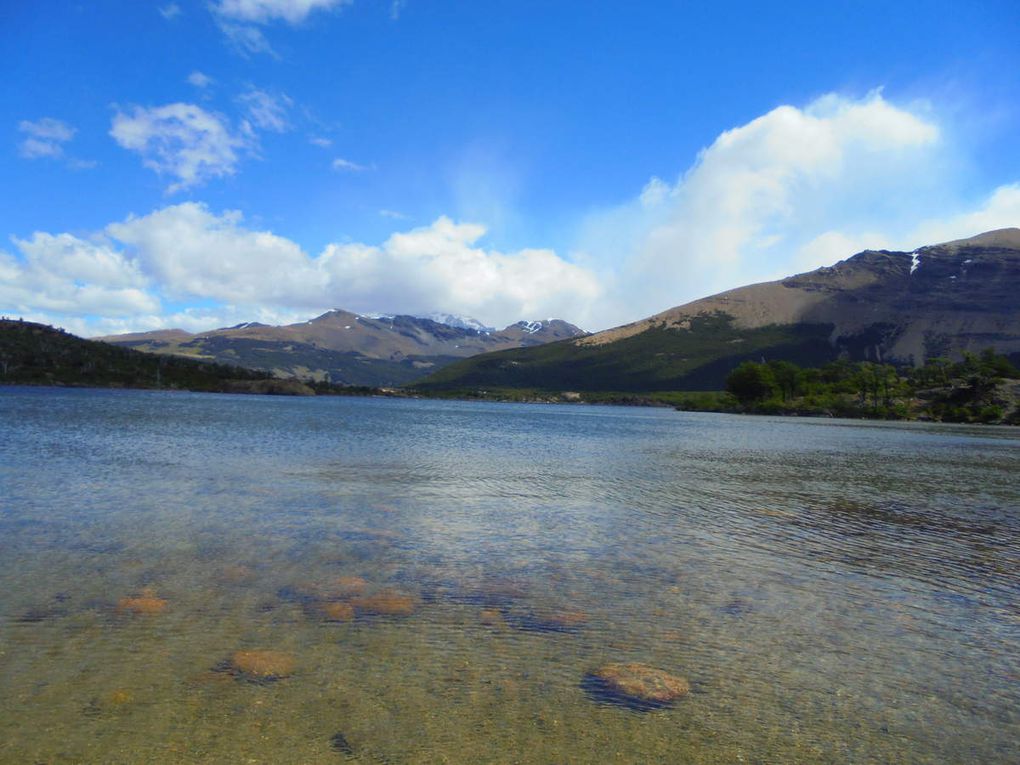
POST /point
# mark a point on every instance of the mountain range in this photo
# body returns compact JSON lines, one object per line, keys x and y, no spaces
{"x":349,"y":348}
{"x":879,"y":305}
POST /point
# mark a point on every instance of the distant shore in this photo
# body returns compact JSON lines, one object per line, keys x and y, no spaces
{"x":710,"y":402}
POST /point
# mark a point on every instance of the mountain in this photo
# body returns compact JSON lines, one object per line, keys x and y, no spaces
{"x":897,"y":307}
{"x":348,"y":348}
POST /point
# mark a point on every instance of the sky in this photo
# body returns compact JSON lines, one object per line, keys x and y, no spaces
{"x":200,"y":163}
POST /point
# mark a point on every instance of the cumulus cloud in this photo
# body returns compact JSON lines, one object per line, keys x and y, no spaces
{"x":170,"y":11}
{"x":442,"y":265}
{"x":762,"y":199}
{"x":192,"y":252}
{"x":180,"y":140}
{"x":71,"y":276}
{"x":187,"y":253}
{"x":44,"y":138}
{"x":266,"y":111}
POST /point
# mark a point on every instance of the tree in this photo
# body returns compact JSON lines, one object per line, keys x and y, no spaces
{"x":751,"y":383}
{"x":787,"y":377}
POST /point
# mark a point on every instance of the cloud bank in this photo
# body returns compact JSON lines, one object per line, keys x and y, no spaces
{"x":120,"y":280}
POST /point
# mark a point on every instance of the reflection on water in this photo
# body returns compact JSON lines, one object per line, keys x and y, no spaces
{"x":196,"y":578}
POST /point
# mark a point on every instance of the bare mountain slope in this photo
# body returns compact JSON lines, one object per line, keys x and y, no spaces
{"x":902,"y":307}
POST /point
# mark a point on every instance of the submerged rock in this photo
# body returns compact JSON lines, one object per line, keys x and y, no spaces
{"x":336,"y":612}
{"x":634,"y":685}
{"x":385,"y":603}
{"x":261,"y":666}
{"x":337,"y":588}
{"x":146,"y":603}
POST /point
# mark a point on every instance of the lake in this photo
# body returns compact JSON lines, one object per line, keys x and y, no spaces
{"x":440,"y":582}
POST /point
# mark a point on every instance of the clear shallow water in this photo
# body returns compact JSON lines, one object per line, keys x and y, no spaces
{"x":834,"y":591}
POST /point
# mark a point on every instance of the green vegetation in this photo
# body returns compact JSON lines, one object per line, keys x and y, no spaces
{"x":36,"y":354}
{"x":982,"y":388}
{"x":979,"y":388}
{"x":694,"y":358}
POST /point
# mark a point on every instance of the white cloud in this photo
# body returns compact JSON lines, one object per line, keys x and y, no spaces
{"x":396,"y":8}
{"x":170,"y":11}
{"x":266,"y":11}
{"x":192,"y":253}
{"x":442,"y":266}
{"x":180,"y":140}
{"x":346,"y":165}
{"x":200,"y":80}
{"x":1001,"y":210}
{"x":239,"y":20}
{"x":71,"y":276}
{"x":44,"y":138}
{"x":246,"y":39}
{"x":185,"y":253}
{"x":786,"y":191}
{"x":322,"y":143}
{"x":267,"y":111}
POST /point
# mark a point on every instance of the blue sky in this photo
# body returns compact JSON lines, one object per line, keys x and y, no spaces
{"x":200,"y":163}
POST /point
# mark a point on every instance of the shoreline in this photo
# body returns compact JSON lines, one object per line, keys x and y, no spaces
{"x":583,"y":399}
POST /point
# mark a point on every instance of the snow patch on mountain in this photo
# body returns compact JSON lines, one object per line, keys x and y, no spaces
{"x":460,"y":322}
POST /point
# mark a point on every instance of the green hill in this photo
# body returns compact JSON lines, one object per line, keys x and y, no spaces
{"x":36,"y":354}
{"x":697,"y":357}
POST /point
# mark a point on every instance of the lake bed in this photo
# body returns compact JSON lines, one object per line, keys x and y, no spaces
{"x":438,"y":581}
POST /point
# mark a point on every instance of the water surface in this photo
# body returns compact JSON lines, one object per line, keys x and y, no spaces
{"x":833,"y":591}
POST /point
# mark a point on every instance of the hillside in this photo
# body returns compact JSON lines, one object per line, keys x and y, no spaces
{"x":35,"y":354}
{"x":896,"y":307}
{"x":348,"y":348}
